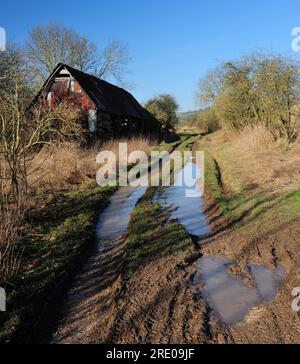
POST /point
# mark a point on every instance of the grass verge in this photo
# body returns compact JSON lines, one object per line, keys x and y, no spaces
{"x":151,"y":236}
{"x":246,"y":208}
{"x":56,"y":240}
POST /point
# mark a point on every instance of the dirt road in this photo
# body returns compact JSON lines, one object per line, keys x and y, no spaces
{"x":168,"y":299}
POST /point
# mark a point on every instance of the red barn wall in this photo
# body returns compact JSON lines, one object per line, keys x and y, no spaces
{"x":71,"y":91}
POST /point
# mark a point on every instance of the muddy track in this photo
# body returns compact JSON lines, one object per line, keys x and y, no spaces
{"x":90,"y":304}
{"x":160,"y":304}
{"x":162,"y":313}
{"x":157,"y":305}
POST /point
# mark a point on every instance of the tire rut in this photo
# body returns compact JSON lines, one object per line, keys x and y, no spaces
{"x":90,"y":302}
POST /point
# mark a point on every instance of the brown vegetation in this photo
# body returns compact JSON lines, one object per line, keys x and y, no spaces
{"x":65,"y":165}
{"x":70,"y":163}
{"x":21,"y":135}
{"x":254,"y":157}
{"x":12,"y":219}
{"x":41,"y":151}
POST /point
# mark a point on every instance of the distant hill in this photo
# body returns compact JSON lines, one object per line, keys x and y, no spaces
{"x":188,"y":114}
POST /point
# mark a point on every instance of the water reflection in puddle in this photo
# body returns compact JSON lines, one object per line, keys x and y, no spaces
{"x":266,"y":280}
{"x":230,"y":297}
{"x":185,"y":201}
{"x":114,"y":220}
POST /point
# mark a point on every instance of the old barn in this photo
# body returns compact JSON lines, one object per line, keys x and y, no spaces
{"x":107,"y":110}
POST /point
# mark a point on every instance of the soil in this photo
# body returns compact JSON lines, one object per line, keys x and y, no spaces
{"x":160,"y":304}
{"x":90,"y":305}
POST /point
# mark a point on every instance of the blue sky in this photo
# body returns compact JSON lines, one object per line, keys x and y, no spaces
{"x":172,"y":43}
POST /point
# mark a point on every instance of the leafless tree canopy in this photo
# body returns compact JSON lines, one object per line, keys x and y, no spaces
{"x":114,"y":59}
{"x":54,"y":43}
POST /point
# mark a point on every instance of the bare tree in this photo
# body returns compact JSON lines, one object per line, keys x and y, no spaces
{"x":20,"y":133}
{"x":114,"y":60}
{"x":54,"y":43}
{"x":11,"y":59}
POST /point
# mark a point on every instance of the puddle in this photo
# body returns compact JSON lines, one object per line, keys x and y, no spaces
{"x":114,"y":220}
{"x":230,"y":297}
{"x":266,"y":280}
{"x":188,"y":210}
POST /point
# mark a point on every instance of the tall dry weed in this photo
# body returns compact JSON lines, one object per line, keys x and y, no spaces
{"x":256,"y":139}
{"x":258,"y":159}
{"x":11,"y":221}
{"x":70,"y":164}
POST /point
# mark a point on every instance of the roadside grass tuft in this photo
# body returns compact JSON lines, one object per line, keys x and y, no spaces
{"x":187,"y":143}
{"x":151,"y":236}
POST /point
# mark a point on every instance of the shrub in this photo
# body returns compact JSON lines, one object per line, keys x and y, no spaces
{"x":256,"y":89}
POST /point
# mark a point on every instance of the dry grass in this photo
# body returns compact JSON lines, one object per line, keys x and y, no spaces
{"x":275,"y":164}
{"x":69,"y":164}
{"x":48,"y":171}
{"x":256,"y":139}
{"x":12,"y":213}
{"x":252,"y":158}
{"x":12,"y":217}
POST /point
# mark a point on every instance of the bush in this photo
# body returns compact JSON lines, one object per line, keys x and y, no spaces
{"x":163,"y":108}
{"x":208,"y":119}
{"x":258,"y":89}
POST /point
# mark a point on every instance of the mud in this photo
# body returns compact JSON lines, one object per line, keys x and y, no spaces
{"x":90,"y":304}
{"x":228,"y":288}
{"x":162,"y":303}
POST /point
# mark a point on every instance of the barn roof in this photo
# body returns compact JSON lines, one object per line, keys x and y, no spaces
{"x":106,"y":96}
